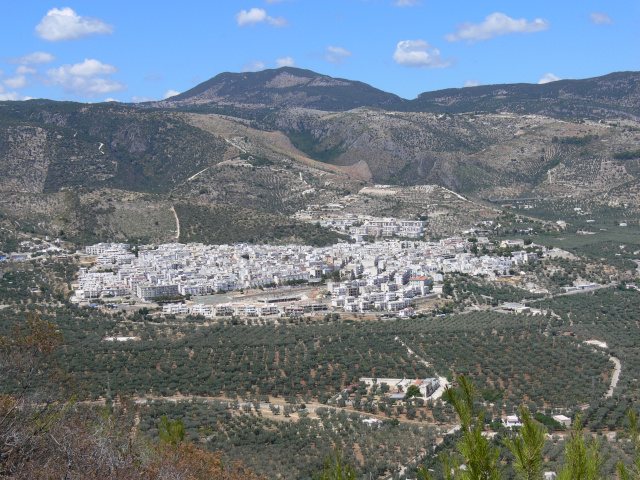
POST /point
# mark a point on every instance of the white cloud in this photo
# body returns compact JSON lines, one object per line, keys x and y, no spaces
{"x":19,"y":81}
{"x":251,"y":17}
{"x":494,"y":25}
{"x":253,"y":66}
{"x":33,"y":58}
{"x":85,"y":79}
{"x":111,"y":100}
{"x":285,"y":62}
{"x":24,"y":70}
{"x":170,"y":93}
{"x":88,"y":68}
{"x":600,"y":18}
{"x":472,"y":83}
{"x":137,"y":99}
{"x":547,"y":78}
{"x":9,"y":96}
{"x":418,"y":53}
{"x":4,"y":95}
{"x":406,"y":3}
{"x":278,"y":22}
{"x":336,"y":55}
{"x":64,"y":24}
{"x":258,"y":15}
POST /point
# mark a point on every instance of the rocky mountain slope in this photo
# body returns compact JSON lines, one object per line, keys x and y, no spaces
{"x":281,"y":140}
{"x":474,"y":153}
{"x":286,"y":86}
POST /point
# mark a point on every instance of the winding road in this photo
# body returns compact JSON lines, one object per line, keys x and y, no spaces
{"x":616,"y":362}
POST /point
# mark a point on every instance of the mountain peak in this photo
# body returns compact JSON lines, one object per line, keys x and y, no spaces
{"x":282,"y":87}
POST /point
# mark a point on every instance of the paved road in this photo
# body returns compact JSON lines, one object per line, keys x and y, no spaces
{"x":573,"y":292}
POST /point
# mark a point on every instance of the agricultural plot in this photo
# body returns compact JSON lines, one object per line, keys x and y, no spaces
{"x":294,"y":449}
{"x":610,"y":316}
{"x":279,"y":361}
{"x":508,"y":355}
{"x":511,"y":355}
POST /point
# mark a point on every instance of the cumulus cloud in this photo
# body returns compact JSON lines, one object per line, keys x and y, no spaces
{"x":249,"y":18}
{"x":336,"y":55}
{"x":33,"y":58}
{"x":285,"y":62}
{"x":547,"y":78}
{"x":254,"y":66}
{"x":17,"y":82}
{"x":169,"y":94}
{"x":9,"y":96}
{"x":4,"y":95}
{"x":494,"y":25}
{"x":88,"y":68}
{"x":137,"y":99}
{"x":24,"y":70}
{"x":60,"y":25}
{"x":111,"y":100}
{"x":421,"y":54}
{"x":406,"y":3}
{"x":472,"y":83}
{"x":600,"y":18}
{"x":85,"y":79}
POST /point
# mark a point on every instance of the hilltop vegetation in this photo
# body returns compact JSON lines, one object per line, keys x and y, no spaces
{"x":225,"y":224}
{"x":611,"y":96}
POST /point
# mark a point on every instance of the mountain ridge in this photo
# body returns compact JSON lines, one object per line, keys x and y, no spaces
{"x":282,"y":140}
{"x":550,"y":98}
{"x":283,"y":86}
{"x":616,"y":94}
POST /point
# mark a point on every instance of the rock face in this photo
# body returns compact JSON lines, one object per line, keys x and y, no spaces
{"x":25,"y":161}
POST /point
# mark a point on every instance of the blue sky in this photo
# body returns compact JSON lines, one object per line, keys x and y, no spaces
{"x":138,"y":50}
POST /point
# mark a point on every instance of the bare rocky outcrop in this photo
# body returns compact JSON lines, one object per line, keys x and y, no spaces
{"x":25,"y":160}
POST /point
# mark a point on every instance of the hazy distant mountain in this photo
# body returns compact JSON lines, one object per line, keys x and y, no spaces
{"x":616,"y":95}
{"x":283,"y":87}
